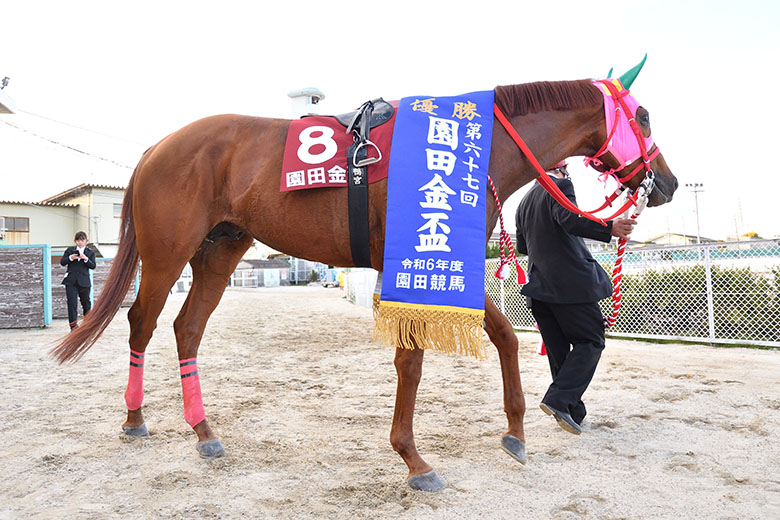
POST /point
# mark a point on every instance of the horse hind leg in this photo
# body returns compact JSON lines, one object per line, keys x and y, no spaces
{"x":156,"y":282}
{"x":408,"y":364}
{"x":212,"y":266}
{"x":503,"y":337}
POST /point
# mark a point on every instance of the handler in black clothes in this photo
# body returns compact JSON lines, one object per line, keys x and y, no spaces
{"x":564,"y":286}
{"x":79,"y":259}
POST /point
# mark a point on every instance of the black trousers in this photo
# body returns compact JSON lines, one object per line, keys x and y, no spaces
{"x":75,"y":293}
{"x":573,"y":335}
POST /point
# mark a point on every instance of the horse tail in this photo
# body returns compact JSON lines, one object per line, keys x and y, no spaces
{"x":122,"y":274}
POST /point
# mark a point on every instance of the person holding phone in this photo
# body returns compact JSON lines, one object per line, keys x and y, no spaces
{"x":79,"y":259}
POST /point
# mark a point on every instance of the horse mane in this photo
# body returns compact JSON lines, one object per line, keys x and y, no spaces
{"x":528,"y":98}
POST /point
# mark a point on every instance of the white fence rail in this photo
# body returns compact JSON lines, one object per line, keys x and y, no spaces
{"x":717,"y":293}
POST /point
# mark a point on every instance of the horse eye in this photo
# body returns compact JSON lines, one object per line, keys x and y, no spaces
{"x":643,"y":116}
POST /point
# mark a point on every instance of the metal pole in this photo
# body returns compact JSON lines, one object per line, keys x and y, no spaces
{"x":698,"y":230}
{"x":710,"y":305}
{"x":695,"y":189}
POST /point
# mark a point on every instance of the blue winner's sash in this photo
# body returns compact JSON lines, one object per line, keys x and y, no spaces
{"x":433,"y":282}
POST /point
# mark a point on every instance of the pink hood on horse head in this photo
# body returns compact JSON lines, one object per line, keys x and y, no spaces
{"x":623,"y":145}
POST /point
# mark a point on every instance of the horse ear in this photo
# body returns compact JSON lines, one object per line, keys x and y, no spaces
{"x":609,"y":74}
{"x":628,"y":78}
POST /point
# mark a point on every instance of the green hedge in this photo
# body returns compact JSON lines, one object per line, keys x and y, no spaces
{"x":673,"y":302}
{"x":746,"y":304}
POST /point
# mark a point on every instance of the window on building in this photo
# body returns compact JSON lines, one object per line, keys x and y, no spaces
{"x":17,"y":230}
{"x":117,"y":210}
{"x":17,"y":224}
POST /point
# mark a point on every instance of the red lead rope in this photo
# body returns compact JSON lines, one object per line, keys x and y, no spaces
{"x":550,"y":186}
{"x":617,"y":276}
{"x":505,"y":242}
{"x":542,"y":179}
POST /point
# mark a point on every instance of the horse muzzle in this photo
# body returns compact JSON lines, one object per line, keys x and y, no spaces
{"x":663,"y":190}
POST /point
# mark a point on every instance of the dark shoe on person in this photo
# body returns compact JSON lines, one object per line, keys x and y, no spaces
{"x":564,"y":419}
{"x":74,"y":325}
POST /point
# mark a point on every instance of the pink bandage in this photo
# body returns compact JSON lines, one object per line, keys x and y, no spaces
{"x":134,"y":395}
{"x":190,"y":386}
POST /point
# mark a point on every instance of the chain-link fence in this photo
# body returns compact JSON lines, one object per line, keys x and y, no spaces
{"x":715,"y":293}
{"x":301,"y":270}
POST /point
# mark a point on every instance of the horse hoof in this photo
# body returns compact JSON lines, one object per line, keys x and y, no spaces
{"x":136,"y":431}
{"x":425,"y":482}
{"x":514,"y":447}
{"x":211,"y":449}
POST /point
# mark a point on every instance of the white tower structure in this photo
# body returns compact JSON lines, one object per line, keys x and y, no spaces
{"x":305,"y":101}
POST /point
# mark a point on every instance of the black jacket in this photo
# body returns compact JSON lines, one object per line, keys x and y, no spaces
{"x":560,"y":267}
{"x":78,"y":270}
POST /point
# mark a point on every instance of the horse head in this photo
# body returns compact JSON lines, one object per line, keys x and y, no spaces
{"x":629,"y":147}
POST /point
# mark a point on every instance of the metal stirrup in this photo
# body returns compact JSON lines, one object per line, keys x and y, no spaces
{"x":368,"y":160}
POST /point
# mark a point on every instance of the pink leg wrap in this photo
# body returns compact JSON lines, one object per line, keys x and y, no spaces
{"x":190,"y":386}
{"x":134,"y":395}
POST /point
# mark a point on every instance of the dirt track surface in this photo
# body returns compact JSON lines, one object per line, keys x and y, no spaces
{"x":303,"y":402}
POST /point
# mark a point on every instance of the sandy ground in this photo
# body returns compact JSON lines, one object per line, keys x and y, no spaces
{"x":303,"y":402}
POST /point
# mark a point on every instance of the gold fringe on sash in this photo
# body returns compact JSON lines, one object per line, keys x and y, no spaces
{"x":437,"y":327}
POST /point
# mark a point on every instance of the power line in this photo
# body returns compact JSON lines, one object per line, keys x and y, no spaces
{"x":68,"y":147}
{"x":81,"y":128}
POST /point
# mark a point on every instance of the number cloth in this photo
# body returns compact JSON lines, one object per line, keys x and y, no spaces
{"x":433,"y":283}
{"x":315,"y":154}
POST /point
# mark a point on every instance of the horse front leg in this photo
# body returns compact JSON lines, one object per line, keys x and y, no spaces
{"x":408,"y":365}
{"x":503,"y":337}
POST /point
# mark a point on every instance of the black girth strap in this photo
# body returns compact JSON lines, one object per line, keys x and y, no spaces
{"x":357,"y":196}
{"x":357,"y":191}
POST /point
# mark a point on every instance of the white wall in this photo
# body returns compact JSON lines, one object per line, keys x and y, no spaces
{"x":48,"y":224}
{"x":104,"y":225}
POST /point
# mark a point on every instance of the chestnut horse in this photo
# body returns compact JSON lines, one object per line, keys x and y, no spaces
{"x":203,"y":193}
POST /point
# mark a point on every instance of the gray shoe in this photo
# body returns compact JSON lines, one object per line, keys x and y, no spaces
{"x":564,"y":419}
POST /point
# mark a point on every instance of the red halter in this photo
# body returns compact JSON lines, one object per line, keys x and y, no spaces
{"x":552,"y":188}
{"x":621,"y":106}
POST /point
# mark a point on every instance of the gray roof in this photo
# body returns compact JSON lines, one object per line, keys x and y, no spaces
{"x":82,"y":188}
{"x":273,"y":263}
{"x":56,"y":204}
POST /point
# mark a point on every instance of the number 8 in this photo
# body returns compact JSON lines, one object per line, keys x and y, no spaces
{"x":307,"y":142}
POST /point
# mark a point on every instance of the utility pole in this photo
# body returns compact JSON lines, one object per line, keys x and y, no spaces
{"x":696,"y":188}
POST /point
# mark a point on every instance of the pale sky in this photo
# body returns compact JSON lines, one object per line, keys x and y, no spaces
{"x":124,"y":76}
